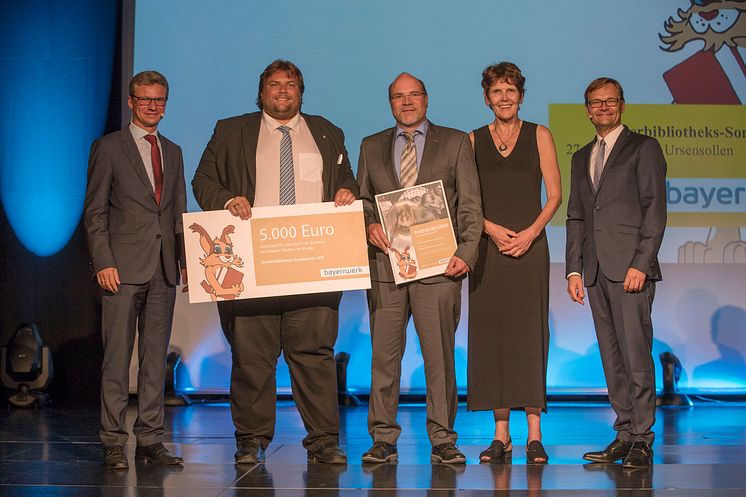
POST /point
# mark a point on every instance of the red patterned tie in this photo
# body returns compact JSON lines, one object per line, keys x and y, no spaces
{"x":155,"y":158}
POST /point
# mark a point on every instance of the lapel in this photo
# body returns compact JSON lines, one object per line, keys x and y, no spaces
{"x":133,"y":156}
{"x":325,"y":149}
{"x":587,"y":159}
{"x":169,"y":169}
{"x":249,"y":140}
{"x":429,"y":155}
{"x":620,"y":142}
{"x":387,"y":158}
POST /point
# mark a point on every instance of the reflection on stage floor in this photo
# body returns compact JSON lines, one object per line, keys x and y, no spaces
{"x":55,"y":452}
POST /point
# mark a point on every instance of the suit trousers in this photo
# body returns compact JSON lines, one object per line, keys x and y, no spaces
{"x":147,"y":308}
{"x":625,"y":338}
{"x":436,"y":309}
{"x":304,"y":329}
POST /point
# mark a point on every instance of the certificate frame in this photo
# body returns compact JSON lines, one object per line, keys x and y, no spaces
{"x":417,"y":224}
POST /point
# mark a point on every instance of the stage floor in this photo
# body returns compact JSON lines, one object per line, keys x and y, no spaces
{"x":55,"y":452}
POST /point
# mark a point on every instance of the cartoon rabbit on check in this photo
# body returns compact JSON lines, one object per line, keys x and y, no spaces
{"x":222,"y":280}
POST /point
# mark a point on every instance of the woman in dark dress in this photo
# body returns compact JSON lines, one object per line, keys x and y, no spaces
{"x":509,"y":287}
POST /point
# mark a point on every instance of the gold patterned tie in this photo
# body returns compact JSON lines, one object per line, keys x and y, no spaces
{"x":408,"y":164}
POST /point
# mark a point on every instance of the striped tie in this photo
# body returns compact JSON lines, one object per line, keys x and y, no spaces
{"x":408,"y":164}
{"x":287,"y":176}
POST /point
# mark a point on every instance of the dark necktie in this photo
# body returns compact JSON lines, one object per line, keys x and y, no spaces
{"x":155,"y":159}
{"x":408,"y":164}
{"x":287,"y":175}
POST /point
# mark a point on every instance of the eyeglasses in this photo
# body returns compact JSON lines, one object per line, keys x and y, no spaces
{"x":610,"y":102}
{"x":396,"y":97}
{"x":145,"y":101}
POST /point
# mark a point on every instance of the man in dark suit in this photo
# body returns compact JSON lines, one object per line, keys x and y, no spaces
{"x":133,"y":205}
{"x":417,"y":151}
{"x":273,"y":157}
{"x":616,"y":216}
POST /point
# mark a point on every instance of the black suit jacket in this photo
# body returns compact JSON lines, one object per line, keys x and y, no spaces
{"x":228,"y":165}
{"x":621,"y":224}
{"x":125,"y":227}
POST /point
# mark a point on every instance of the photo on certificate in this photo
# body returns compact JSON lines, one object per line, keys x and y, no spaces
{"x":281,"y":250}
{"x":418,"y":226}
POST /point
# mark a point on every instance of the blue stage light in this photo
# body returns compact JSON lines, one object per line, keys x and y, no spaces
{"x":56,"y":65}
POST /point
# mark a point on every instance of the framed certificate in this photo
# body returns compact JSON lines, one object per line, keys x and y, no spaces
{"x":281,"y":250}
{"x":418,"y":226}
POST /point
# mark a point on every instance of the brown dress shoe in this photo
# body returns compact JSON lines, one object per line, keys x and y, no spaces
{"x":156,"y":454}
{"x":114,"y":457}
{"x":613,"y":452}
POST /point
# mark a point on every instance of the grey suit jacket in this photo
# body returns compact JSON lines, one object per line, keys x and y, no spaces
{"x":228,"y":164}
{"x":621,"y":225}
{"x":125,"y":227}
{"x":448,"y":156}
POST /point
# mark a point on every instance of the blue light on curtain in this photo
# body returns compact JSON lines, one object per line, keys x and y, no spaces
{"x":55,"y":67}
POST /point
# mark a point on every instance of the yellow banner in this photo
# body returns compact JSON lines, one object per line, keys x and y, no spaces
{"x":704,"y":147}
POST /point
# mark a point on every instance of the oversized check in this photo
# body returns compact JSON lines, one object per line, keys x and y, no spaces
{"x":281,"y":250}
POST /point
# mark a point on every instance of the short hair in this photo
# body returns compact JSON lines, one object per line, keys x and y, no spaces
{"x":145,"y":78}
{"x":273,"y":67}
{"x":603,"y":81}
{"x":506,"y":71}
{"x":422,"y":83}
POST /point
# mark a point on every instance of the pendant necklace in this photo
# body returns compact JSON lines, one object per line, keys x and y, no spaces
{"x":503,"y":147}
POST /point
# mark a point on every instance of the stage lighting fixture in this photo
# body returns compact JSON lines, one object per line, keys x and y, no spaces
{"x":26,"y":367}
{"x":343,"y":396}
{"x":170,"y":396}
{"x":670,"y":396}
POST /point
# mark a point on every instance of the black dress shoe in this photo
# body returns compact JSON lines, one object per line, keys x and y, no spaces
{"x":328,"y":454}
{"x":114,"y":457}
{"x":381,"y":452}
{"x":613,"y":452}
{"x":156,"y":454}
{"x":640,"y":456}
{"x":249,"y":452}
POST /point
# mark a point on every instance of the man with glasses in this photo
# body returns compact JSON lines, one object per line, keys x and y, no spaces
{"x":616,"y":216}
{"x":133,"y":205}
{"x":412,"y":152}
{"x":279,"y":156}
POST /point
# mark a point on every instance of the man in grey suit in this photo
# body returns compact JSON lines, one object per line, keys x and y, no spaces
{"x":416,"y":151}
{"x":133,"y":205}
{"x":243,"y":167}
{"x":616,"y":216}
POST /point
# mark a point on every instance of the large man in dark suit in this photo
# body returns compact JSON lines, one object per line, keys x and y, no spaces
{"x":133,"y":206}
{"x":279,"y":156}
{"x":416,"y":151}
{"x":616,"y":216}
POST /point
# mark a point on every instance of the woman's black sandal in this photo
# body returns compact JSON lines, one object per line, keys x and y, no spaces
{"x":496,"y":451}
{"x":535,"y":450}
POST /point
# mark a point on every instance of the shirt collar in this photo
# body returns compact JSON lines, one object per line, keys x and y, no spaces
{"x":421,"y":129}
{"x":272,"y":124}
{"x":138,"y":133}
{"x":611,"y":137}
